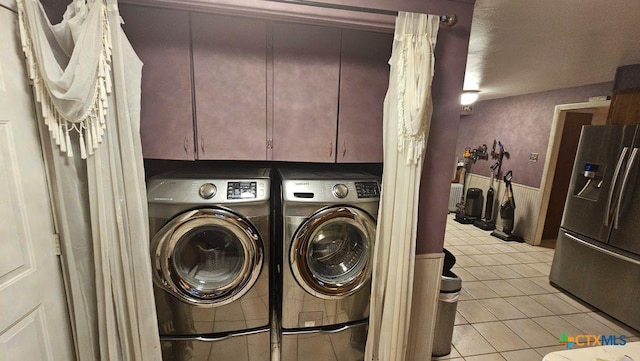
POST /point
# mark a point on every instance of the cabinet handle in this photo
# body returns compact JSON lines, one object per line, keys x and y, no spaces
{"x":330,"y":149}
{"x":344,"y":148}
{"x":202,"y":145}
{"x":186,"y":144}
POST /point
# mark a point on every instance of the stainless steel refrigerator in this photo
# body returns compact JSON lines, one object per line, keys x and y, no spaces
{"x":597,"y":255}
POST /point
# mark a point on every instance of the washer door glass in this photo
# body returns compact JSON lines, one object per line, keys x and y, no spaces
{"x":331,"y":252}
{"x":208,"y":260}
{"x":208,"y":256}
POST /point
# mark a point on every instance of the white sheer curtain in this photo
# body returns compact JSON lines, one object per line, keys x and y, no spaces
{"x":86,"y":78}
{"x":406,"y":121}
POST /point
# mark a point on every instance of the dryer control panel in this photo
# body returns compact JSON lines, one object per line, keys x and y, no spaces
{"x":241,"y":190}
{"x":331,"y":191}
{"x":367,"y":189}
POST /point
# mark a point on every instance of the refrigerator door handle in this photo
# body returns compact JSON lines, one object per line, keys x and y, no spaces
{"x":613,"y":184}
{"x":623,"y":188}
{"x":603,"y":250}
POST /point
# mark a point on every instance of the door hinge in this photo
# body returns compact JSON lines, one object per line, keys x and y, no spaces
{"x":56,"y":244}
{"x":269,"y":143}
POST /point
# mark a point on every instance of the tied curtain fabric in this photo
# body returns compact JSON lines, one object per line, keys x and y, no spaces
{"x":69,"y":64}
{"x":406,"y":121}
{"x":86,"y":78}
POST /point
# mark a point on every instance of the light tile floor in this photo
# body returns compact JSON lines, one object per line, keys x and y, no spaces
{"x":507,"y":308}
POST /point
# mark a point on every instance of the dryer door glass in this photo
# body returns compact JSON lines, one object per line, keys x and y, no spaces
{"x":207,"y":256}
{"x":332,"y":251}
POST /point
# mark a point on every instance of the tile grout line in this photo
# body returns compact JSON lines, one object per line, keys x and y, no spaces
{"x":470,"y":245}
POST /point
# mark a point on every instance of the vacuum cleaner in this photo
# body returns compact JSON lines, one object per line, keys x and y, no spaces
{"x":488,"y":223}
{"x":507,"y":213}
{"x":470,"y":208}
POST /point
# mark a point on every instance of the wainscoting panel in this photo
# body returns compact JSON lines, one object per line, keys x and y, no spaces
{"x":527,"y":201}
{"x":424,"y":305}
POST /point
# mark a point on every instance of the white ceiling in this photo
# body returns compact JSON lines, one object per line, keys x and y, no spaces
{"x":528,"y":46}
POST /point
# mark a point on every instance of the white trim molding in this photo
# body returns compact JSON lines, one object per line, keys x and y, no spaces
{"x":598,"y":109}
{"x":424,"y":305}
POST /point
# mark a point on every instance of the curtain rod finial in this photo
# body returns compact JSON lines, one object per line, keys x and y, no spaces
{"x":450,"y":20}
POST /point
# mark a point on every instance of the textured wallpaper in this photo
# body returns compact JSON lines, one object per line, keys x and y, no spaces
{"x":523,"y":124}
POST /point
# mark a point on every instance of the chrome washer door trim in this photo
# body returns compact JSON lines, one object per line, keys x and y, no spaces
{"x":311,"y":230}
{"x":186,"y":224}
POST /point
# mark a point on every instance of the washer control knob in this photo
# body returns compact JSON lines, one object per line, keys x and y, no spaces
{"x":207,"y":190}
{"x":340,"y":190}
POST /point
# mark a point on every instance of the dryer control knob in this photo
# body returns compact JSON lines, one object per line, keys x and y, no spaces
{"x":207,"y":190}
{"x":340,"y":190}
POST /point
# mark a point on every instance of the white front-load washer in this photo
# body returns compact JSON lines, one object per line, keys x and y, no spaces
{"x":328,"y":232}
{"x":210,"y":261}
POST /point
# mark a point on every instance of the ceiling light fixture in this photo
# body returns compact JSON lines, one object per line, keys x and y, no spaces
{"x":469,"y":97}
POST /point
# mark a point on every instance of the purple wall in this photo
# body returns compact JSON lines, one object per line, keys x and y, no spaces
{"x":451,"y":58}
{"x":55,"y":9}
{"x":523,"y":124}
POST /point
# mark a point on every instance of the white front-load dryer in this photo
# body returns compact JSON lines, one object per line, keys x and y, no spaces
{"x":210,"y":261}
{"x":328,"y":233}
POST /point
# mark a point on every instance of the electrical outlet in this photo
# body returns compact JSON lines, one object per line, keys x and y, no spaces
{"x":533,"y":157}
{"x":466,"y":110}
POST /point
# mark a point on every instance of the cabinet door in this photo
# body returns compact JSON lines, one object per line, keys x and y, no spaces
{"x":160,"y":37}
{"x":625,"y":107}
{"x":364,"y":79}
{"x":306,"y":67}
{"x":230,"y":71}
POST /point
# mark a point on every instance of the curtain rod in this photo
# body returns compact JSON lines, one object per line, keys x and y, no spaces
{"x":450,"y":20}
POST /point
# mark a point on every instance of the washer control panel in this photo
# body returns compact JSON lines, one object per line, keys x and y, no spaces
{"x":241,"y":190}
{"x":367,"y":189}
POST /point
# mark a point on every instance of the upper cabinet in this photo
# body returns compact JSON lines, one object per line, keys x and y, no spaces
{"x":230,"y":82}
{"x":306,"y":71}
{"x":625,"y":107}
{"x":364,"y":79}
{"x":625,"y":100}
{"x":160,"y":37}
{"x":218,"y":87}
{"x":328,"y":93}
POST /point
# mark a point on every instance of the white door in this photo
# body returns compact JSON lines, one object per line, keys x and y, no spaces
{"x":34,"y":323}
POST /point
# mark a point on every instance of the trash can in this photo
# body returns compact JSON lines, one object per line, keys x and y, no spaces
{"x":450,"y":286}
